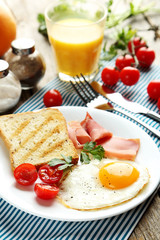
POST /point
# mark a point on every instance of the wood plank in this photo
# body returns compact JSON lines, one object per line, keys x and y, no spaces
{"x":149,"y":226}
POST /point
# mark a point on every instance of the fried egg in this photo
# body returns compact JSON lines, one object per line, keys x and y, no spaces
{"x":101,"y":184}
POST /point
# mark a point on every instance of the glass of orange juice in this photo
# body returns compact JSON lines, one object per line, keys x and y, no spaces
{"x":75,"y":30}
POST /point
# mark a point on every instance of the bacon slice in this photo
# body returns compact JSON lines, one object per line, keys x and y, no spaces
{"x":77,"y":134}
{"x":121,"y":148}
{"x":95,"y":131}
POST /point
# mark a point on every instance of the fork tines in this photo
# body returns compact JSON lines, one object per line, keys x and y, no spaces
{"x":83,"y":89}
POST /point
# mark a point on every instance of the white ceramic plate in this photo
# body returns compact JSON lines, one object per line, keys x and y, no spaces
{"x":24,"y":197}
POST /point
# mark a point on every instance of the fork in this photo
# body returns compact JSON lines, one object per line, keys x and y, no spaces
{"x":89,"y":96}
{"x":93,"y":99}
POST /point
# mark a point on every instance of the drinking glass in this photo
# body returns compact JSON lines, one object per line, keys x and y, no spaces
{"x":76,"y":30}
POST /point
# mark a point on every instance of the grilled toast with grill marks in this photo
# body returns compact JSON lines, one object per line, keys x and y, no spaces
{"x":36,"y":137}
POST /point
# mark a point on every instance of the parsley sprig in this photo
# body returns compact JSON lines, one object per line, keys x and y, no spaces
{"x":65,"y":163}
{"x":90,"y":150}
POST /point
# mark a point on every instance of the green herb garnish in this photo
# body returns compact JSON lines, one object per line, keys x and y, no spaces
{"x":91,"y":151}
{"x":42,"y":25}
{"x":65,"y":163}
{"x":121,"y":38}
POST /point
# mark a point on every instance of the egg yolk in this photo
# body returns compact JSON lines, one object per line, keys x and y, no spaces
{"x":118,"y":175}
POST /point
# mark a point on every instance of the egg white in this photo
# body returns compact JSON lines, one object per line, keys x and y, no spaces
{"x":82,"y":189}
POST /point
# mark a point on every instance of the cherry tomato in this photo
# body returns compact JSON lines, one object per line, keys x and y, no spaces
{"x":50,"y":174}
{"x":52,"y":98}
{"x":25,"y":174}
{"x":125,"y":61}
{"x":158,"y":103}
{"x":45,"y":191}
{"x":153,"y":89}
{"x":145,"y":56}
{"x":129,"y":76}
{"x":110,"y":75}
{"x":137,"y":43}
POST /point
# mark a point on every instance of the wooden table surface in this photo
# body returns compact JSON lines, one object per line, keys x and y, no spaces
{"x":25,"y":12}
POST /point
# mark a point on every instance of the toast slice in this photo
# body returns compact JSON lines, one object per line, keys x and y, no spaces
{"x":36,"y":137}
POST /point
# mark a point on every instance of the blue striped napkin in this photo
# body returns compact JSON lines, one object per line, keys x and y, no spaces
{"x":18,"y":225}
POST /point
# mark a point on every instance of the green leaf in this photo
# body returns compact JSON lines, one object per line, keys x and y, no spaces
{"x":108,"y":55}
{"x":42,"y":25}
{"x":122,"y":36}
{"x":99,"y":14}
{"x":132,"y":8}
{"x":109,"y":3}
{"x":64,"y":166}
{"x":135,"y":8}
{"x":61,"y":8}
{"x":56,"y":161}
{"x":67,"y":159}
{"x":89,"y":146}
{"x":41,"y":18}
{"x":84,"y":158}
{"x":98,"y":152}
{"x":66,"y":163}
{"x":104,"y":47}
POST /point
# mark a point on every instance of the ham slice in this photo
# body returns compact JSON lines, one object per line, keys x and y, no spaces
{"x":72,"y":136}
{"x":121,"y":148}
{"x":95,"y":131}
{"x":77,"y":134}
{"x":115,"y":147}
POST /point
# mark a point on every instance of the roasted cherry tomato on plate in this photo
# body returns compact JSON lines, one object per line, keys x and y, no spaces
{"x":145,"y":56}
{"x":26,"y":174}
{"x":129,"y":75}
{"x":124,"y":61}
{"x":52,"y":98}
{"x":50,"y":174}
{"x":110,"y":75}
{"x":45,"y":191}
{"x":137,"y":44}
{"x":153,"y":89}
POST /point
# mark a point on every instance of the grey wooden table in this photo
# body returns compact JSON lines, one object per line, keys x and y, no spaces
{"x":25,"y":12}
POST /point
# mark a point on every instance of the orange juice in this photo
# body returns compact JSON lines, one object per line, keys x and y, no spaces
{"x":77,"y":44}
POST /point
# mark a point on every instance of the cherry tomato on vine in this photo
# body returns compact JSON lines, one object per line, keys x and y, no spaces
{"x":145,"y":56}
{"x":50,"y":174}
{"x":158,"y":103}
{"x":52,"y":98}
{"x":45,"y":191}
{"x":110,"y":75}
{"x":153,"y":89}
{"x":26,"y":174}
{"x":129,"y":75}
{"x":124,"y":61}
{"x":137,"y":43}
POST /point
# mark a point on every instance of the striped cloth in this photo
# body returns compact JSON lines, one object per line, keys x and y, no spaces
{"x":18,"y":225}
